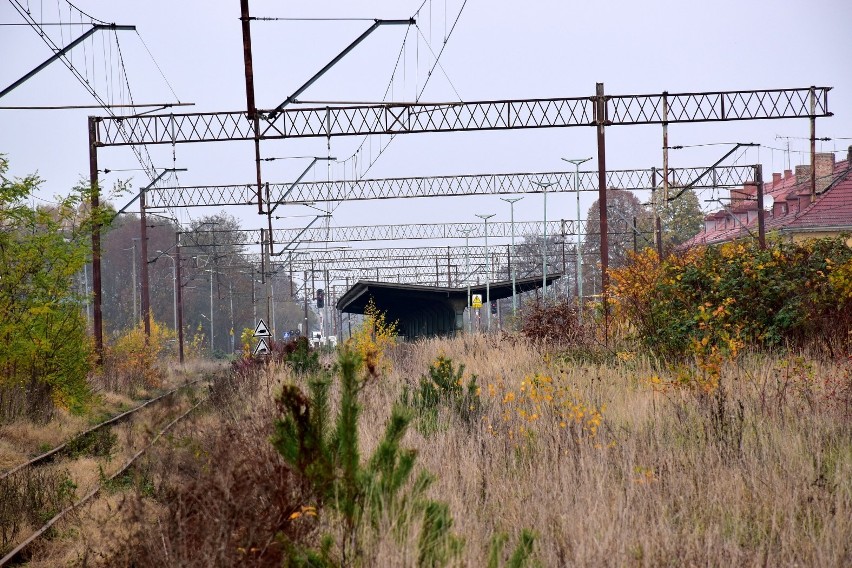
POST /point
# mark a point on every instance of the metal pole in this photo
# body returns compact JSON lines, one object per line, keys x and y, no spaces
{"x":543,"y":254}
{"x":305,"y":294}
{"x":813,"y":144}
{"x":761,"y":216}
{"x":544,"y":186}
{"x":601,"y":119}
{"x":135,"y":296}
{"x":97,"y":291}
{"x":254,"y":298}
{"x":143,"y":257}
{"x":513,"y":270}
{"x":485,"y":218}
{"x":577,"y":162}
{"x":272,"y":300}
{"x":211,"y":313}
{"x":467,"y":278}
{"x":179,"y":293}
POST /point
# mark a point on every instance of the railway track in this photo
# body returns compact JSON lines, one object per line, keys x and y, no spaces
{"x":15,"y":555}
{"x":58,"y":450}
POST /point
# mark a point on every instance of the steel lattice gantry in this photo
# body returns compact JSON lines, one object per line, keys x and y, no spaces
{"x":598,"y":110}
{"x":415,"y":231}
{"x":443,"y":186}
{"x":399,"y":118}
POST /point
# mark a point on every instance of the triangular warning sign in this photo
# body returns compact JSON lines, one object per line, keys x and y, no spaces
{"x":262,"y":348}
{"x":261,"y":330}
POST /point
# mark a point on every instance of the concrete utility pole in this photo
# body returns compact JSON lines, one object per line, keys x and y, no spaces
{"x":544,"y":187}
{"x":511,"y":201}
{"x":577,"y":162}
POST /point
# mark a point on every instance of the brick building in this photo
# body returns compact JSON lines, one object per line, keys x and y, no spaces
{"x":791,"y":211}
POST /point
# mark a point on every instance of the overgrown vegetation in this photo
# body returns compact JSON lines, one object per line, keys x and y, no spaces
{"x":443,"y":387}
{"x":717,"y":299}
{"x":28,"y":499}
{"x":132,"y":362}
{"x":46,"y":351}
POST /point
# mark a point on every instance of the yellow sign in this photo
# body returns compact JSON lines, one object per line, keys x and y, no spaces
{"x":476,"y":300}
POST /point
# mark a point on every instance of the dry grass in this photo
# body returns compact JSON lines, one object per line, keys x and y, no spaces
{"x":671,"y":478}
{"x":757,"y":473}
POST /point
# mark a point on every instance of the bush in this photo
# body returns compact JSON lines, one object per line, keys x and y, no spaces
{"x":324,"y":451}
{"x":46,"y":354}
{"x":557,"y":323}
{"x":715,"y":299}
{"x":444,"y":387}
{"x":131,"y":364}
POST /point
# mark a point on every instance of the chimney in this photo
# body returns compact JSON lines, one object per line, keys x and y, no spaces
{"x":849,"y":157}
{"x":776,"y":178}
{"x":787,"y":173}
{"x":803,"y":174}
{"x":824,"y":170}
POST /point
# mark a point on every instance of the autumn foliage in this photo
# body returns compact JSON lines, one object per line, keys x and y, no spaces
{"x":716,"y":299}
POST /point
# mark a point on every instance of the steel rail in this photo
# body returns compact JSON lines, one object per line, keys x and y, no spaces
{"x":14,"y":553}
{"x":114,"y":420}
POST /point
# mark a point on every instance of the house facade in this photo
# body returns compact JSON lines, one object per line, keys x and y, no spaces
{"x":792,"y":211}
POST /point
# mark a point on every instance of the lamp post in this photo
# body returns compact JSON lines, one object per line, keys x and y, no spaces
{"x":511,"y":201}
{"x":174,"y":280}
{"x":544,"y":187}
{"x":467,"y":233}
{"x":577,"y":162}
{"x":485,"y":218}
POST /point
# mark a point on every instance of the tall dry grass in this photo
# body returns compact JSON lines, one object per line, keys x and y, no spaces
{"x":758,"y":472}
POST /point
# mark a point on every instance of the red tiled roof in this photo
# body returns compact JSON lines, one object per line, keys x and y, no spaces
{"x":831,"y":209}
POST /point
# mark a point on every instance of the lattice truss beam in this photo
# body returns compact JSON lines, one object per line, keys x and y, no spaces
{"x":443,"y":186}
{"x":424,"y":257}
{"x":415,"y":231}
{"x":396,"y":118}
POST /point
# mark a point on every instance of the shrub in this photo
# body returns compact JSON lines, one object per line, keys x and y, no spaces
{"x":46,"y":353}
{"x":444,"y":387}
{"x":372,"y":338}
{"x":325,"y":452}
{"x":557,"y":323}
{"x":710,"y":301}
{"x":132,"y":364}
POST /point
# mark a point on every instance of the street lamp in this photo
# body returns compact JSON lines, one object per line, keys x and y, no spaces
{"x":467,"y":233}
{"x":485,"y":218}
{"x":511,"y":201}
{"x":174,"y":280}
{"x":577,"y":162}
{"x":544,"y":187}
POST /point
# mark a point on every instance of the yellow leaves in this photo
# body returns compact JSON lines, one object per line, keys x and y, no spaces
{"x":372,"y":338}
{"x":304,"y":511}
{"x":541,"y":403}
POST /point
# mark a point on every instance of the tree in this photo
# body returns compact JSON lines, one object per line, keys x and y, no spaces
{"x":45,"y":354}
{"x":681,"y":219}
{"x":622,"y":208}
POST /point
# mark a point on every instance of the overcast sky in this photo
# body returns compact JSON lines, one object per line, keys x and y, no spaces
{"x":498,"y":50}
